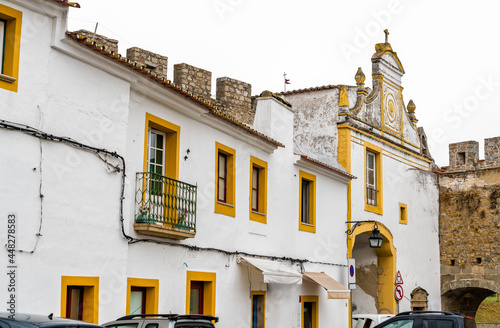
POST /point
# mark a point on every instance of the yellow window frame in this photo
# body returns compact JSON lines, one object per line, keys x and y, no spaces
{"x":403,"y":213}
{"x":90,"y":296}
{"x":227,"y":208}
{"x":314,"y":300}
{"x":311,"y":178}
{"x":259,"y":215}
{"x":172,"y":143}
{"x":370,"y":148}
{"x":152,"y":293}
{"x":209,"y":284}
{"x":258,"y":293}
{"x":13,"y":23}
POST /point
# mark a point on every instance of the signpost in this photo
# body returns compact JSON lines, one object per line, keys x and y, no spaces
{"x":398,"y":290}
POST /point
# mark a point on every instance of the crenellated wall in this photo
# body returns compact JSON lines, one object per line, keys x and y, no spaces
{"x":465,"y":155}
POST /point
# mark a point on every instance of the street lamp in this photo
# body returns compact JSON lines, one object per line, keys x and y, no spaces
{"x":375,"y":239}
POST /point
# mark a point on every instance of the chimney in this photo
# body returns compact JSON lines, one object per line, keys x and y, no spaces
{"x":156,"y":63}
{"x":100,"y":40}
{"x":235,"y":99}
{"x":193,"y":79}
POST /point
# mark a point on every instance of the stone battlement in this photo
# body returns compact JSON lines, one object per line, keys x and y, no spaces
{"x":464,"y":156}
{"x":233,"y":97}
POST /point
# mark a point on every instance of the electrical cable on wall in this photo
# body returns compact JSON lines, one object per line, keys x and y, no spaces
{"x":110,"y":168}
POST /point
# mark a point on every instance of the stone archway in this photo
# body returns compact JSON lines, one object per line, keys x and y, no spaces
{"x":385,"y":265}
{"x":466,"y":295}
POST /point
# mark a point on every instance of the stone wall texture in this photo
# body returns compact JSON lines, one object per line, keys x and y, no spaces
{"x":156,"y":63}
{"x":100,"y":40}
{"x":469,"y":237}
{"x":193,"y":79}
{"x":234,"y":98}
{"x":465,"y":155}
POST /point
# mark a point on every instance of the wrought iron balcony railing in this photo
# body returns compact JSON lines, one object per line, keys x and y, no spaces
{"x":165,"y":201}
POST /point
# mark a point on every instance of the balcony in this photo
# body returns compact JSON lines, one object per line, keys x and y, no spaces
{"x":164,"y":207}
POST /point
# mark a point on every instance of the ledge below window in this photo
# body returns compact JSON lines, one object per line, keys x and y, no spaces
{"x":161,"y":230}
{"x":8,"y":79}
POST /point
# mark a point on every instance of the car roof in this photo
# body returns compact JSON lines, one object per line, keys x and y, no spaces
{"x":40,"y":320}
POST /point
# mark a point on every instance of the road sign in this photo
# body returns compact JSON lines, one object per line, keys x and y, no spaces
{"x":399,"y":279}
{"x":352,"y":271}
{"x":398,"y":292}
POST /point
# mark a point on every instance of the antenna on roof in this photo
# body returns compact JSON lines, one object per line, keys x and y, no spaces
{"x":95,"y":30}
{"x":287,"y":81}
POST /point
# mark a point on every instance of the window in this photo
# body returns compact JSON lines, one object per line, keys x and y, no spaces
{"x":137,"y":300}
{"x":80,"y":298}
{"x":161,"y":147}
{"x":142,"y":296}
{"x":74,"y":302}
{"x":373,"y":178}
{"x":307,"y":202}
{"x":309,"y":312}
{"x":196,"y":300}
{"x":160,"y":170}
{"x":258,"y":190}
{"x":400,"y":324}
{"x":2,"y":43}
{"x":200,"y":293}
{"x":10,"y":44}
{"x":371,"y":186}
{"x":258,"y":309}
{"x":403,"y":214}
{"x":438,"y":323}
{"x":225,"y":180}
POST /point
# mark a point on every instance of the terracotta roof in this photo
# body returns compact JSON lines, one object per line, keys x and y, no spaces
{"x":66,"y":3}
{"x":324,"y":87}
{"x":329,"y":167}
{"x":212,"y":109}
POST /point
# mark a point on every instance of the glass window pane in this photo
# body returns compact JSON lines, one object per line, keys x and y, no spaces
{"x":136,"y":302}
{"x":370,"y":160}
{"x":254,"y":199}
{"x":222,"y":166}
{"x":221,"y":194}
{"x":400,"y":324}
{"x":194,"y":303}
{"x":2,"y":43}
{"x":370,"y":179}
{"x":159,"y":157}
{"x":152,"y":156}
{"x":305,"y":201}
{"x":152,"y":139}
{"x":255,"y":177}
{"x":159,"y":141}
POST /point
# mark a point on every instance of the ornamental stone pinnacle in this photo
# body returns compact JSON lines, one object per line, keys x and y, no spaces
{"x":360,"y":77}
{"x":411,"y":111}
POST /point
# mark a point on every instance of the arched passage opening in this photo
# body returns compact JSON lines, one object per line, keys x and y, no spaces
{"x":465,"y":296}
{"x":375,"y":271}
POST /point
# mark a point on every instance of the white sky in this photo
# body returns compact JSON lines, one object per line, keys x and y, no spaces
{"x":449,"y":49}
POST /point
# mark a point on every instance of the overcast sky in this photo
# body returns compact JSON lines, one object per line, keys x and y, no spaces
{"x":449,"y":49}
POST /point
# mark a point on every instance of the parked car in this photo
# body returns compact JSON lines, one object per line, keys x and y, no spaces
{"x":163,"y":321}
{"x":429,"y":319}
{"x":24,"y":320}
{"x":369,"y":320}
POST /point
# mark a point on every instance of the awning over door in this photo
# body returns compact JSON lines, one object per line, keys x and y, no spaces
{"x":275,"y":271}
{"x":334,"y":288}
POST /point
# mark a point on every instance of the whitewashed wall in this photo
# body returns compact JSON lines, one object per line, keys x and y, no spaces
{"x":65,"y":90}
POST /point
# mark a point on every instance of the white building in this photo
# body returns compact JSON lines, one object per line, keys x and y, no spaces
{"x":128,"y":194}
{"x":372,"y":134}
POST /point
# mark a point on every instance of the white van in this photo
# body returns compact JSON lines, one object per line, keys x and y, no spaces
{"x":369,"y":320}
